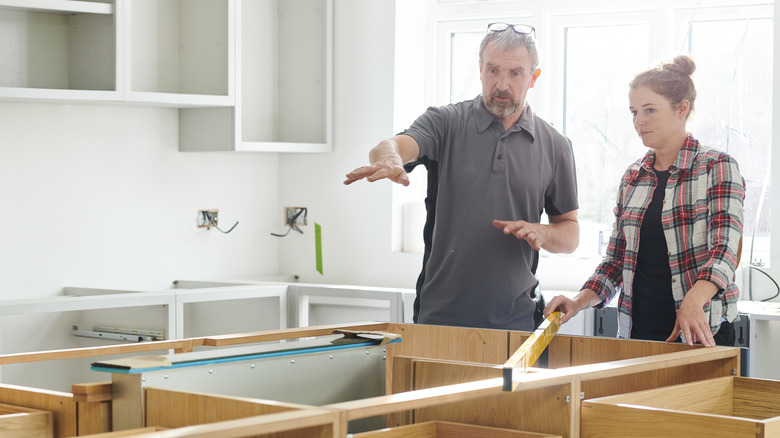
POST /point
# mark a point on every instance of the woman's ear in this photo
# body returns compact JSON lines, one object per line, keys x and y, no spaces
{"x":683,"y":109}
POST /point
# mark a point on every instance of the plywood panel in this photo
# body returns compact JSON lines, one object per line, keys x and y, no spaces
{"x":443,"y":429}
{"x":172,"y":409}
{"x":60,"y":404}
{"x":205,"y":415}
{"x":612,"y":421}
{"x":756,"y":398}
{"x":420,"y":430}
{"x":543,"y":410}
{"x":670,"y":347}
{"x":711,"y":408}
{"x":661,"y":376}
{"x":91,"y":392}
{"x":414,"y":373}
{"x":586,"y":351}
{"x":710,"y":396}
{"x":402,"y":378}
{"x":94,"y":417}
{"x":23,"y":422}
{"x":559,"y":352}
{"x":94,"y":407}
{"x":771,"y":428}
{"x":455,"y":430}
{"x":403,"y":374}
{"x":664,"y":376}
{"x":383,"y":405}
{"x":450,"y":343}
{"x":429,"y":374}
{"x":304,"y":432}
{"x":125,"y":433}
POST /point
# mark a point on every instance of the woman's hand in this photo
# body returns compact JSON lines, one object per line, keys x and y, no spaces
{"x":692,"y":323}
{"x":572,"y":306}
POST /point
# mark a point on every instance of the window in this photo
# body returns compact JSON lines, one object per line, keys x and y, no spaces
{"x":587,"y":61}
{"x":595,"y":116}
{"x":733,"y":50}
{"x":589,"y":58}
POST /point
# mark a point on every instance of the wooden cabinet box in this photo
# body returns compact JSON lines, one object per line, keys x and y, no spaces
{"x":16,"y":421}
{"x":720,"y":407}
{"x":444,"y":429}
{"x":434,"y":374}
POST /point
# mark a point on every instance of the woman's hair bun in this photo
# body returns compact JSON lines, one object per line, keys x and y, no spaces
{"x":682,"y":64}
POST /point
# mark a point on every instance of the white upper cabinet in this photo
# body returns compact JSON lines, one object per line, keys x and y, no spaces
{"x":157,"y":52}
{"x":247,"y":75}
{"x":55,"y":50}
{"x":179,"y":52}
{"x":284,"y":76}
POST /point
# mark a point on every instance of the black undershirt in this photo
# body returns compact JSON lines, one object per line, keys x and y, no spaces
{"x":653,"y":306}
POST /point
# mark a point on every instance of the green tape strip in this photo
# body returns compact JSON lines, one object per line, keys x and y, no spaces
{"x":318,"y":246}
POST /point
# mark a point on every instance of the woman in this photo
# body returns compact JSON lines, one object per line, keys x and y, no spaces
{"x":678,"y":225}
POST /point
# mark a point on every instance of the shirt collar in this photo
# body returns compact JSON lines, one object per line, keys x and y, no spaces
{"x":485,"y":119}
{"x":685,"y":158}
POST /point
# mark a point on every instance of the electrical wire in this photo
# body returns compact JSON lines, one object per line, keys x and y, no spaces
{"x":213,"y":223}
{"x":291,"y":223}
{"x":760,"y":208}
{"x":777,"y":287}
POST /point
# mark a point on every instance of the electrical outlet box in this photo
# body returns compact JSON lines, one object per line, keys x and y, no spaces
{"x":295,"y":215}
{"x":208,"y":218}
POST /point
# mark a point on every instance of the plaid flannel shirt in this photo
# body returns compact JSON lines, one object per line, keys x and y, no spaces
{"x":702,"y":218}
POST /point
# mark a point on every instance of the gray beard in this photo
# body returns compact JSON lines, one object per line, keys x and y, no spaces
{"x":500,"y":110}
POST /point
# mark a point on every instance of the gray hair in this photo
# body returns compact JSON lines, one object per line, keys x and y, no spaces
{"x":509,"y":39}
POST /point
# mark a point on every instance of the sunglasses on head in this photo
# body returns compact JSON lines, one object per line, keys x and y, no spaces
{"x":522,"y":29}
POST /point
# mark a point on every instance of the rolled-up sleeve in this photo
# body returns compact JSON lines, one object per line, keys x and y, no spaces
{"x":725,"y":200}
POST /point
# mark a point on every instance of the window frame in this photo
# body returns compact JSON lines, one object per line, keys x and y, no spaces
{"x":550,"y":20}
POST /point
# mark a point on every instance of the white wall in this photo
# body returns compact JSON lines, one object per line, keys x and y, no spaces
{"x":99,"y":196}
{"x":355,"y":219}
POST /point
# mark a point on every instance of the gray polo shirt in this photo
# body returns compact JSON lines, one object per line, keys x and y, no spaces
{"x":476,"y":275}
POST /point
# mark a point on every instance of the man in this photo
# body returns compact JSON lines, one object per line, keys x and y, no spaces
{"x":498,"y":167}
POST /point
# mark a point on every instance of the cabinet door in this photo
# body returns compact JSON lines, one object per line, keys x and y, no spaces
{"x":58,"y":49}
{"x":283,"y":83}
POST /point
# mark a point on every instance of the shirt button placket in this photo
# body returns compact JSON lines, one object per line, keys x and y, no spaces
{"x":499,"y":159}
